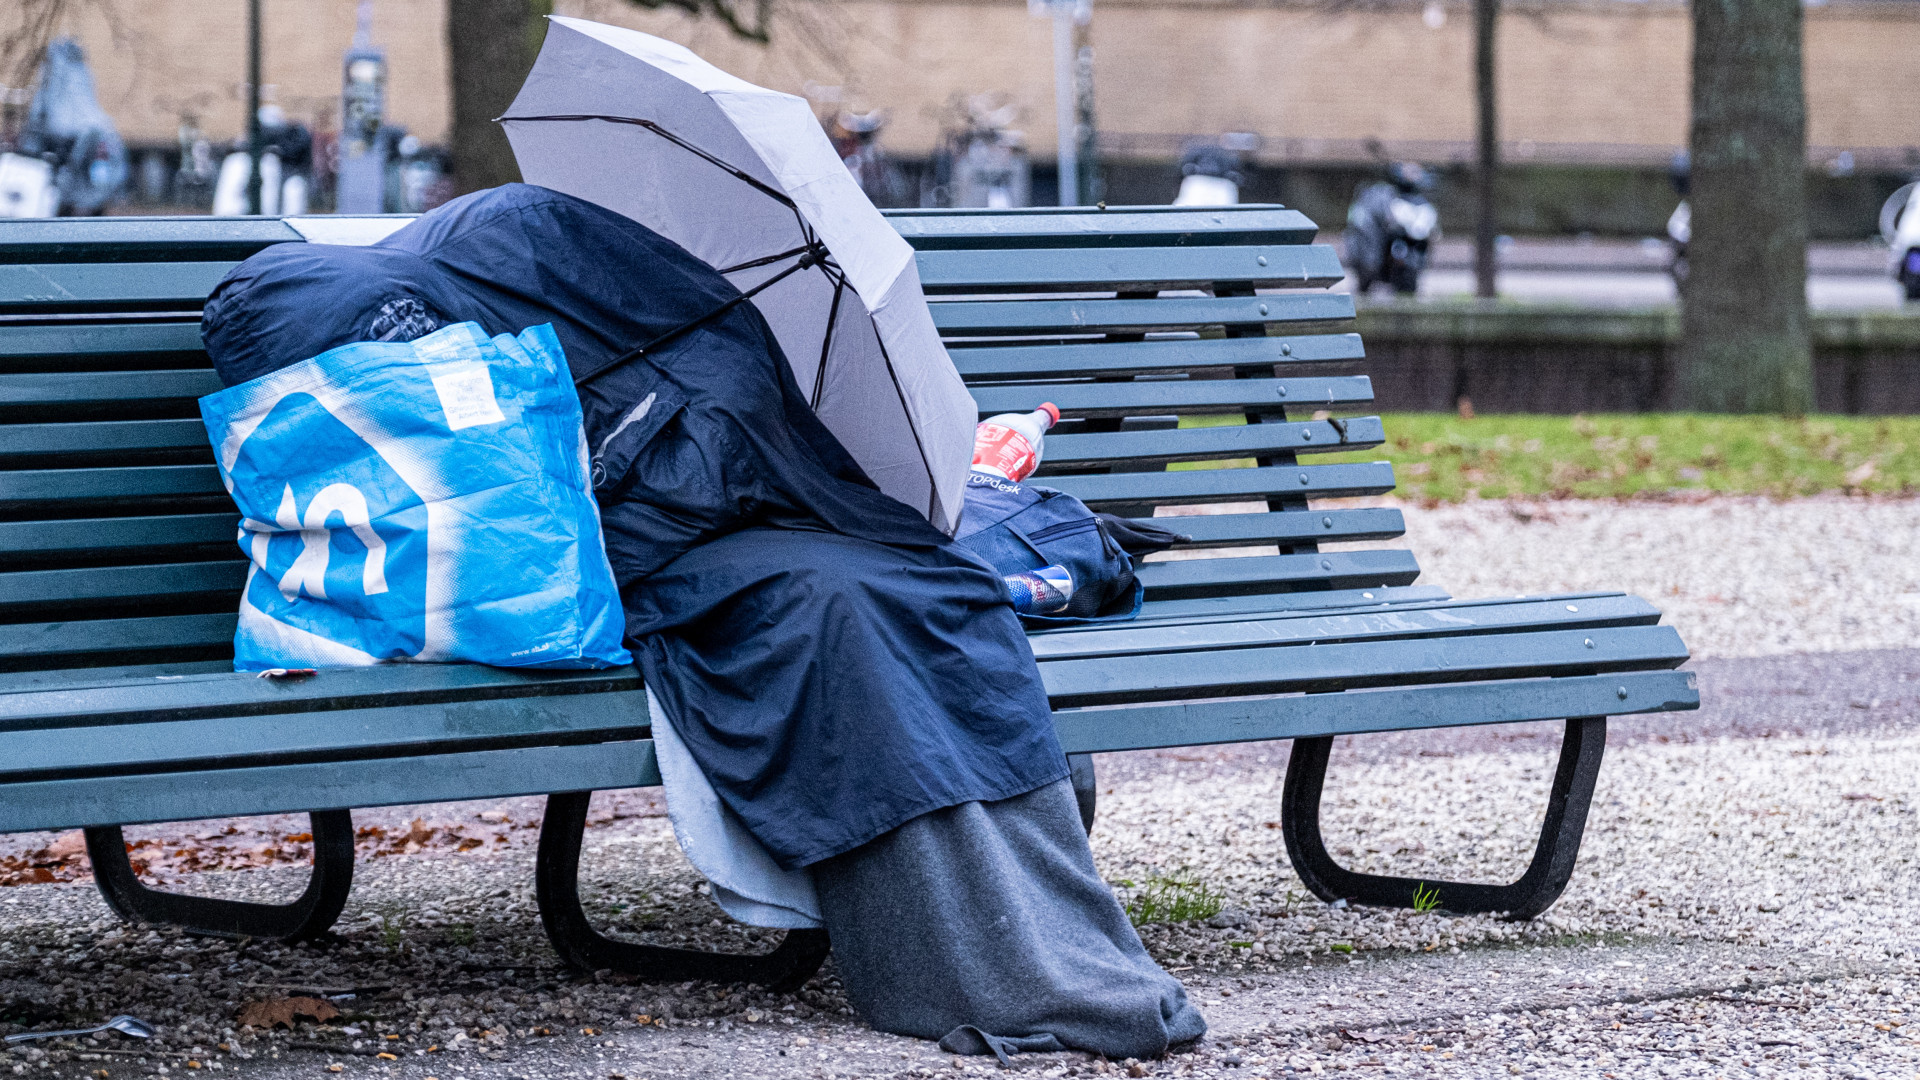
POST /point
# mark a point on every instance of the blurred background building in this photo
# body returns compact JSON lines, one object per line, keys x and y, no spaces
{"x":1594,"y":93}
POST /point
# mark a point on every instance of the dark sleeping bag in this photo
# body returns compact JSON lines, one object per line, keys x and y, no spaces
{"x":835,"y":664}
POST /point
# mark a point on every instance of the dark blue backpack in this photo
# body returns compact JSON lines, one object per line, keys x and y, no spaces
{"x":1017,"y":527}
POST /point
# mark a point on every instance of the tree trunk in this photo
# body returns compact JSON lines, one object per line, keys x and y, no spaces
{"x":490,"y":48}
{"x":1486,"y":16}
{"x":1744,"y":344}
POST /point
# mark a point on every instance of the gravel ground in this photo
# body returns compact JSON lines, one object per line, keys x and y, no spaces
{"x":1737,"y":576}
{"x":1743,"y":905}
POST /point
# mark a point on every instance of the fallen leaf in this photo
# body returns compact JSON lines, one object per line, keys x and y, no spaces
{"x":68,"y":845}
{"x":282,"y":1011}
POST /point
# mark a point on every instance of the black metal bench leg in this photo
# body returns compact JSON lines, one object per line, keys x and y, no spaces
{"x":309,"y":916}
{"x":1084,"y":791}
{"x":557,"y":884}
{"x":1533,"y":893}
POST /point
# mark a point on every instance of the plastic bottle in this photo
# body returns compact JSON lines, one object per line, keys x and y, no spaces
{"x":1009,"y":445}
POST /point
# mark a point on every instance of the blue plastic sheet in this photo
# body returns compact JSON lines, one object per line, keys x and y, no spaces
{"x":424,"y":500}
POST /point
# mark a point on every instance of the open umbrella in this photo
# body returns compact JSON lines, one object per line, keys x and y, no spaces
{"x":745,"y":179}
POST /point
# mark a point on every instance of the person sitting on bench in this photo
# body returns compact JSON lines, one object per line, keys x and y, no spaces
{"x":853,"y":686}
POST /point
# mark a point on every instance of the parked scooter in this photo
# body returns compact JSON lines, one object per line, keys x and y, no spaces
{"x":1680,"y":222}
{"x":1390,"y":228}
{"x":67,"y":130}
{"x":1210,"y":175}
{"x":285,"y":160}
{"x":1900,"y":228}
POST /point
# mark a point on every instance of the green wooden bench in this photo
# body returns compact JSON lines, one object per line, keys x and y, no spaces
{"x":119,"y":574}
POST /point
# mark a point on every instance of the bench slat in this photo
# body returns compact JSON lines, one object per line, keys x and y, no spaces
{"x":27,"y":644}
{"x":51,"y":588}
{"x":1228,"y":485}
{"x":229,"y":693}
{"x":139,"y":239}
{"x":1209,"y":444}
{"x":107,"y":749}
{"x":102,"y":339}
{"x":103,"y":437}
{"x":1282,"y":605}
{"x":1361,"y":664}
{"x":280,"y":789}
{"x":1288,"y":527}
{"x":1117,"y":226}
{"x":962,"y":318}
{"x":78,"y":535}
{"x":92,"y":485}
{"x":1149,"y":357}
{"x":1201,"y":723}
{"x":1402,"y":621}
{"x":1204,"y":444}
{"x":1180,"y":579}
{"x":1131,"y":269}
{"x":115,"y":286}
{"x":1184,"y":395}
{"x":107,"y":387}
{"x":1259,"y":604}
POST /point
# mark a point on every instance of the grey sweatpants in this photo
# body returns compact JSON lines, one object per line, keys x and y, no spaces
{"x":991,"y":915}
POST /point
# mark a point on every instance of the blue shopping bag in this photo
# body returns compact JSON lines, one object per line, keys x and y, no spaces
{"x":424,"y":500}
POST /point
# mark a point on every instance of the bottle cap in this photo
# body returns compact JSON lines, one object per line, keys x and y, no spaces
{"x":1052,"y":410}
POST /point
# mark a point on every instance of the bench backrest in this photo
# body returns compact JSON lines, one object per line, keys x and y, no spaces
{"x":117,"y":540}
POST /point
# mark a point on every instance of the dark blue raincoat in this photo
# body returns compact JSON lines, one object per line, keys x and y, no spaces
{"x":835,"y":664}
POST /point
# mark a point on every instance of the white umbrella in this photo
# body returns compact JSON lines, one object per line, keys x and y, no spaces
{"x":745,"y":179}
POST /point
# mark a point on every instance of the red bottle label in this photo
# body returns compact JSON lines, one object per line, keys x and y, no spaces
{"x":1002,"y":451}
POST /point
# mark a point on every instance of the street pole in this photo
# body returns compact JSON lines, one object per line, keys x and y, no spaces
{"x":254,"y":148}
{"x":1073,"y":96}
{"x":1086,"y":157}
{"x":1065,"y":114}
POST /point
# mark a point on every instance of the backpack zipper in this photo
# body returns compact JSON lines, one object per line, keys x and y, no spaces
{"x":1064,"y":528}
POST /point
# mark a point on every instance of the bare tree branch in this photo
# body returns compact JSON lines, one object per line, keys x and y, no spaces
{"x":25,"y":36}
{"x":755,"y":25}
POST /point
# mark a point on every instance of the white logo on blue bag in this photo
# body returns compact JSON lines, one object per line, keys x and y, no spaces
{"x":345,"y":556}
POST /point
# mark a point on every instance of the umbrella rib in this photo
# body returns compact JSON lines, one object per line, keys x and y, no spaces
{"x":826,"y":340}
{"x":691,"y":323}
{"x":769,"y":259}
{"x":933,"y":486}
{"x":731,"y":169}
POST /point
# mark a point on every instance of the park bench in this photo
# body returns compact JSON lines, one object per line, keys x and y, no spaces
{"x":121,"y":576}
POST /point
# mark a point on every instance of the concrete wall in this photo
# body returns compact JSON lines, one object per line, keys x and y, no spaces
{"x":1593,"y":80}
{"x":1520,"y":359}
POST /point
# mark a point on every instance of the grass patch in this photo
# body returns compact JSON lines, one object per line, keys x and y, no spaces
{"x":1441,"y":457}
{"x":1172,"y":900}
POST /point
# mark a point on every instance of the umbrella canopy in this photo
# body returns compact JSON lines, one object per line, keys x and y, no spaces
{"x":745,"y":179}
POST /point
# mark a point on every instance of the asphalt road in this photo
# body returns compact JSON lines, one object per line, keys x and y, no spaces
{"x":1629,"y":273}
